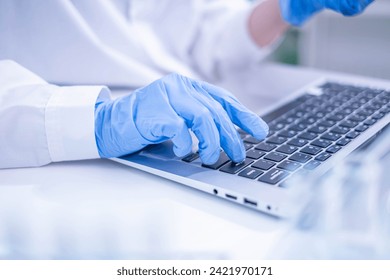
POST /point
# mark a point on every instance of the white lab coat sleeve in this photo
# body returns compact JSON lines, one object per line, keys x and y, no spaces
{"x":212,"y":36}
{"x":42,"y":123}
{"x":224,"y":44}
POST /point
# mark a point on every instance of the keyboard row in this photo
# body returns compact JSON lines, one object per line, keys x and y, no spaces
{"x":306,"y":133}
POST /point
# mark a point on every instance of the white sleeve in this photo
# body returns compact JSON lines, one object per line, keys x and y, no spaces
{"x":224,"y":43}
{"x":42,"y":123}
{"x":212,"y":36}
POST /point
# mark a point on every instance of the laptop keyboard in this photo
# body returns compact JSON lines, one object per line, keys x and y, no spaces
{"x":306,"y":132}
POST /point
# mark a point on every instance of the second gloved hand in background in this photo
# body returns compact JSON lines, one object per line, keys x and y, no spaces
{"x":167,"y":109}
{"x":296,"y":12}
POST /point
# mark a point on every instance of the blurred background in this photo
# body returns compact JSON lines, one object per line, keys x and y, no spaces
{"x":358,"y":45}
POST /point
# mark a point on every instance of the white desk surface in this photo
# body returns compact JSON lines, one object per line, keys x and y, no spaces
{"x":101,"y":209}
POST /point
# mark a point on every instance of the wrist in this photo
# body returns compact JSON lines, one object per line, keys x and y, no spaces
{"x":265,"y":23}
{"x":102,"y":112}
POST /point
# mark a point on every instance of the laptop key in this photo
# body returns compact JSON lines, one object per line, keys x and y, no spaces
{"x":263,"y":164}
{"x":298,"y":127}
{"x":322,"y":143}
{"x":378,"y":116}
{"x":254,"y":154}
{"x":352,"y":134}
{"x":355,"y":105}
{"x":247,"y":146}
{"x":310,"y":120}
{"x":320,"y":114}
{"x":311,"y":150}
{"x":287,"y":133}
{"x":289,"y":165}
{"x":333,"y":149}
{"x":223,"y":158}
{"x":191,"y":157}
{"x":300,"y":157}
{"x":376,"y":105}
{"x":311,"y":165}
{"x":348,"y":110}
{"x":331,"y":136}
{"x":266,"y":147}
{"x":370,"y":122}
{"x":323,"y":156}
{"x":298,"y":114}
{"x":361,"y":128}
{"x":340,"y":130}
{"x":287,"y":149}
{"x":318,"y":129}
{"x":356,"y":118}
{"x":335,"y":117}
{"x":307,"y":135}
{"x":298,"y":142}
{"x":348,"y":124}
{"x":250,"y":173}
{"x":274,"y":156}
{"x":365,"y":112}
{"x":276,"y":140}
{"x":277,"y":126}
{"x":288,"y":120}
{"x":343,"y":141}
{"x":233,"y":168}
{"x":274,"y":176}
{"x":327,"y":123}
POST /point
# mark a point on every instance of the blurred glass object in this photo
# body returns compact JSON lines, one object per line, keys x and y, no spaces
{"x":348,"y":214}
{"x":35,"y":228}
{"x":357,"y":45}
{"x":287,"y":51}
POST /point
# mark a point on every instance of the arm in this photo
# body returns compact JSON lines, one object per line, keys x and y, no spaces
{"x":41,"y":123}
{"x":265,"y":23}
{"x":270,"y":18}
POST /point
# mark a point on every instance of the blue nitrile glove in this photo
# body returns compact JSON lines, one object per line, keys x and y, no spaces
{"x":166,"y":109}
{"x":296,"y":12}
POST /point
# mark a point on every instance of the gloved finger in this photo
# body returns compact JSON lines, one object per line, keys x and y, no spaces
{"x":230,"y":140}
{"x":178,"y":132}
{"x":238,"y":113}
{"x":169,"y":127}
{"x":200,"y":120}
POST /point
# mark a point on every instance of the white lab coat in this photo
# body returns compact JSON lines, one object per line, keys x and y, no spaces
{"x":121,"y":43}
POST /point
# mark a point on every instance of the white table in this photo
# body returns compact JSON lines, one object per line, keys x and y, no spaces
{"x":100,"y":209}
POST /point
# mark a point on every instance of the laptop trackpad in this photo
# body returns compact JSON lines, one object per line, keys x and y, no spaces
{"x":159,"y":151}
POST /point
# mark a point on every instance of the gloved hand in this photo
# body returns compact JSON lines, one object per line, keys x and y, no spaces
{"x":166,"y":109}
{"x":296,"y":12}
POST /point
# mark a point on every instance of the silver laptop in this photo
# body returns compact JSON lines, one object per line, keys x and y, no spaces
{"x":310,"y":132}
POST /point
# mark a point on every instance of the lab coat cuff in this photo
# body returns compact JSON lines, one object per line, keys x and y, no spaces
{"x":70,"y":122}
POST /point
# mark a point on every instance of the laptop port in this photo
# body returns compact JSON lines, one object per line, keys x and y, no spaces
{"x":250,"y":202}
{"x":215,"y":191}
{"x":231,"y":196}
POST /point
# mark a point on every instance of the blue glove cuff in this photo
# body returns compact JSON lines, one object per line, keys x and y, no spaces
{"x":297,"y":12}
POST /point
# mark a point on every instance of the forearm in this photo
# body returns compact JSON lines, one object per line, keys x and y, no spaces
{"x":265,"y":23}
{"x":41,"y":123}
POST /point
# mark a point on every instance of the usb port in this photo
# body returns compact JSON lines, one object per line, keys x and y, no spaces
{"x":231,"y":196}
{"x":250,"y":202}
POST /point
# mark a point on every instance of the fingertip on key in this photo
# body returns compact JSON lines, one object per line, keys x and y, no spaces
{"x":209,"y":158}
{"x":260,"y":129}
